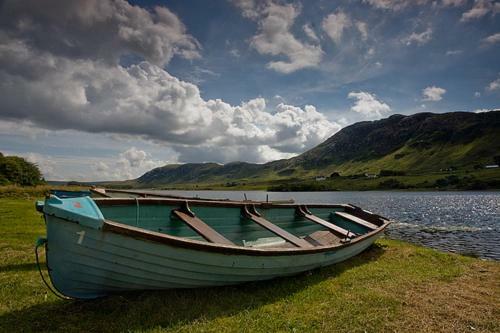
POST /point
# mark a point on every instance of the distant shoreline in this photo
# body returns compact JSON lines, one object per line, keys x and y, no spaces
{"x":463,"y":180}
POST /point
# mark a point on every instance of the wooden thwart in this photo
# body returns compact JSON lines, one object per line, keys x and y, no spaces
{"x":201,"y":228}
{"x":253,"y":215}
{"x":357,"y":220}
{"x":304,"y":212}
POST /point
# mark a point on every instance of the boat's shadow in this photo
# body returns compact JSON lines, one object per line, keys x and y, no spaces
{"x":168,"y":309}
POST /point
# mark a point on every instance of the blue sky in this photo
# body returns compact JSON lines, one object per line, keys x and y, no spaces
{"x":110,"y":89}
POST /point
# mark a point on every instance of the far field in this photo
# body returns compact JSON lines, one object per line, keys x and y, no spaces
{"x":392,"y":287}
{"x":484,"y":179}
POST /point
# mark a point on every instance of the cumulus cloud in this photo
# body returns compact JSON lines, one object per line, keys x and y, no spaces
{"x":397,"y":5}
{"x":249,"y":7}
{"x":96,"y":29}
{"x":492,"y":39}
{"x":363,"y":29}
{"x":260,"y":154}
{"x":433,"y":94}
{"x":486,"y":110}
{"x":46,"y":165}
{"x":335,"y":24}
{"x":53,"y":167}
{"x":274,"y":37}
{"x":394,"y":4}
{"x":494,"y":85}
{"x":308,"y":30}
{"x":368,"y":105}
{"x":480,"y":9}
{"x":130,"y":164}
{"x":98,"y":95}
{"x":418,"y":38}
{"x":146,"y":101}
{"x":454,"y":3}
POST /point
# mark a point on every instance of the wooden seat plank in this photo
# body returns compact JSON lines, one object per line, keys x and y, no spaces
{"x":357,"y":220}
{"x":330,"y":226}
{"x":202,"y":228}
{"x":299,"y":242}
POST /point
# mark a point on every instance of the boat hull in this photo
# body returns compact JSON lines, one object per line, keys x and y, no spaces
{"x":86,"y":263}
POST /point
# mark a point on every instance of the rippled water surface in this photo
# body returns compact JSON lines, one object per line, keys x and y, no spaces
{"x":464,"y":222}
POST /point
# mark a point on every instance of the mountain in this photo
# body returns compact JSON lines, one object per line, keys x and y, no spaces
{"x":419,"y":143}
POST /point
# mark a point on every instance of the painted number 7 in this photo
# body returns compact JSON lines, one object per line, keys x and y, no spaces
{"x":80,"y":239}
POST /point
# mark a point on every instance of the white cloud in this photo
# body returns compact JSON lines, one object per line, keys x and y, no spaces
{"x":480,"y":9}
{"x":248,"y":7}
{"x":274,"y":37}
{"x":368,"y":105}
{"x":130,"y":164}
{"x":99,"y":30}
{"x":486,"y":110}
{"x":335,"y":24}
{"x":492,"y":39}
{"x":45,"y":165}
{"x":308,"y":30}
{"x":394,"y":4}
{"x":90,"y":94}
{"x":433,"y":94}
{"x":134,"y":156}
{"x":146,"y":101}
{"x":454,"y":3}
{"x":494,"y":85}
{"x":477,"y":94}
{"x":453,"y":52}
{"x":101,"y":167}
{"x":397,"y":5}
{"x":363,"y":29}
{"x":235,"y":53}
{"x":418,"y":38}
{"x":199,"y":75}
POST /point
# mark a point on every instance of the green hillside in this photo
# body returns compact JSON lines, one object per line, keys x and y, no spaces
{"x":419,"y":145}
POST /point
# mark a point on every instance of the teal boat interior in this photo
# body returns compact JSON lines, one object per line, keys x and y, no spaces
{"x":263,"y":226}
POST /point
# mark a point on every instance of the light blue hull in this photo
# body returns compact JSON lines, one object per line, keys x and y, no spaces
{"x":85,"y":262}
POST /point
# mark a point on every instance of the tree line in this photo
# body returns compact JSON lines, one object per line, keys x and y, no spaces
{"x":15,"y":170}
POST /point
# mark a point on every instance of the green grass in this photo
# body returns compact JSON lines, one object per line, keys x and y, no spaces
{"x":393,"y":286}
{"x":30,"y":192}
{"x":483,"y":179}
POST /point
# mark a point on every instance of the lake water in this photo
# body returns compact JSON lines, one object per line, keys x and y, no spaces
{"x":462,"y":222}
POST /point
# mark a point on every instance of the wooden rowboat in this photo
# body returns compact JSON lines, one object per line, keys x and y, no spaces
{"x":95,"y":247}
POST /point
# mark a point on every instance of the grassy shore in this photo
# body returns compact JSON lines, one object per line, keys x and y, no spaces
{"x":31,"y":192}
{"x":485,"y":179}
{"x":393,"y":286}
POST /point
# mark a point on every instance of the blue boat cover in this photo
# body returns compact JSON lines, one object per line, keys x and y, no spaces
{"x":82,"y":210}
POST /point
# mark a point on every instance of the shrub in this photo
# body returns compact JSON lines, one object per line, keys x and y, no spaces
{"x":392,"y":184}
{"x":385,"y":173}
{"x":16,"y":170}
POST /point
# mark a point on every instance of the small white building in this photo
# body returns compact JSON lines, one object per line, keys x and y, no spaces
{"x":320,"y":178}
{"x":371,"y":175}
{"x":491,"y":166}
